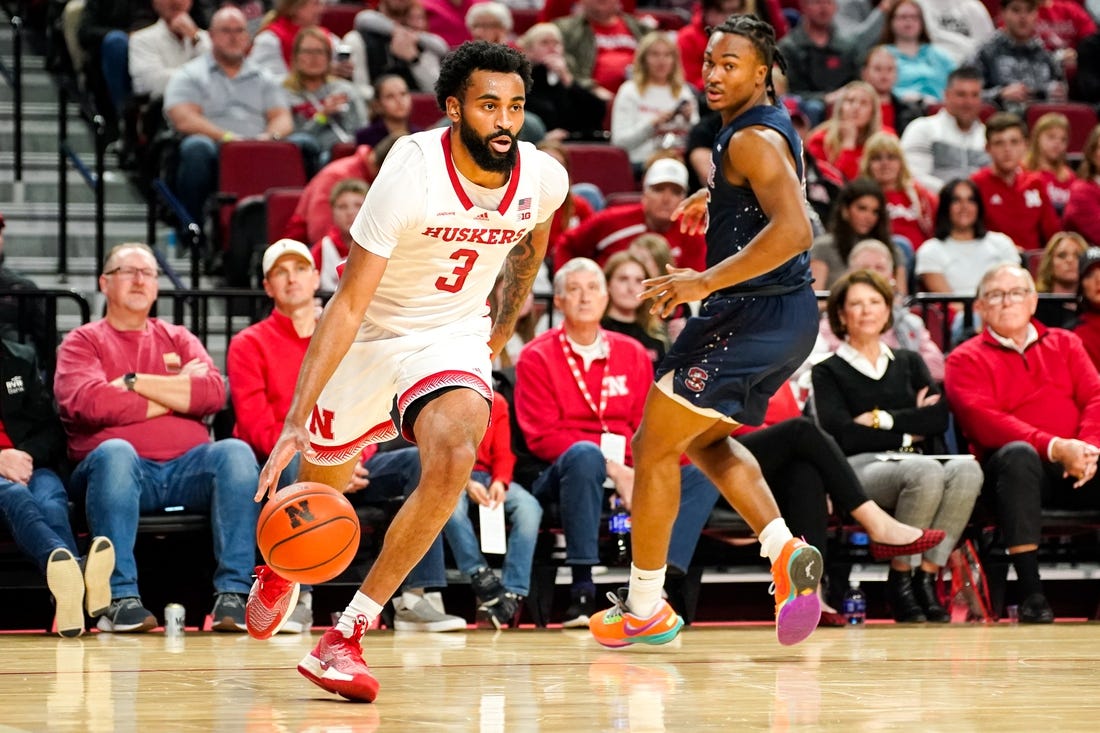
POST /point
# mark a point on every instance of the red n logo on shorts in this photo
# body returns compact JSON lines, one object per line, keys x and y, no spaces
{"x":321,"y":422}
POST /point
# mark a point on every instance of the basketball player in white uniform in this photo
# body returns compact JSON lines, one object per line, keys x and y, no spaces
{"x":448,"y":210}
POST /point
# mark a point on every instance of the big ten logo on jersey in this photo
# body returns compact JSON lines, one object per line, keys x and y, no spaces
{"x":320,"y":422}
{"x":298,"y":513}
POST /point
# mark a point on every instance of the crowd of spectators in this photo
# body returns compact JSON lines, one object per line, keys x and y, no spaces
{"x":915,"y":116}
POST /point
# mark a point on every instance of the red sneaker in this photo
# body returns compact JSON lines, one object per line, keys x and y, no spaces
{"x":336,"y":665}
{"x":270,"y":603}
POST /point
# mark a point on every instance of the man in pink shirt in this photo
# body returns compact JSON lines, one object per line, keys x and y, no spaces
{"x":613,"y":229}
{"x":1015,"y":200}
{"x":133,"y":393}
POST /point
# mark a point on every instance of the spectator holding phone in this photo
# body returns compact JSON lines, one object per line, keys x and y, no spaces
{"x":654,"y":109}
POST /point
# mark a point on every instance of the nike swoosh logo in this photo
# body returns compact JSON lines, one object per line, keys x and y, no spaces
{"x":633,"y":631}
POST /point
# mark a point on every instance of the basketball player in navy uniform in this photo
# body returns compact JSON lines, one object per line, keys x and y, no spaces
{"x":758,"y":322}
{"x":449,"y":209}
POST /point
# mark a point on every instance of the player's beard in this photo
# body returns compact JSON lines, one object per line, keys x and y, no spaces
{"x":484,"y":156}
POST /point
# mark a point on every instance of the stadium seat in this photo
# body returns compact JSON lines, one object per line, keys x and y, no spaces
{"x":279,"y":205}
{"x":606,"y":166}
{"x":425,"y":110}
{"x":341,"y":150}
{"x":340,"y":18}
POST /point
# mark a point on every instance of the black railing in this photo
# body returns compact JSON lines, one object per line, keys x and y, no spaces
{"x":14,"y":78}
{"x":67,"y":91}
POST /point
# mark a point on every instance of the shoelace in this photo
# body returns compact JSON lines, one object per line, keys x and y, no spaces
{"x":618,"y":605}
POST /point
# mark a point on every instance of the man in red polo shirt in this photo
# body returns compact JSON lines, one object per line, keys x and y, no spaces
{"x":1015,"y":200}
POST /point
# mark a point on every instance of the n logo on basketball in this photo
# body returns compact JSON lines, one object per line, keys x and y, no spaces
{"x":321,"y":422}
{"x":299,"y":513}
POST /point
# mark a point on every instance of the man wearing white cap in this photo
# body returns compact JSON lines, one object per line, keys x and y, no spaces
{"x":613,"y":229}
{"x":263,"y":359}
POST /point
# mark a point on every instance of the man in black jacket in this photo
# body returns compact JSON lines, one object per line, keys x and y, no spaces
{"x":33,"y":503}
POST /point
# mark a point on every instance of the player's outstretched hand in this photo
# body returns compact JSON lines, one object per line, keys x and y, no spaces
{"x":293,"y":439}
{"x":680,"y":285}
{"x":692,"y":213}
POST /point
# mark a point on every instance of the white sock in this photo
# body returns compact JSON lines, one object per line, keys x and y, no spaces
{"x":645,"y":590}
{"x":360,"y":605}
{"x":773,"y":538}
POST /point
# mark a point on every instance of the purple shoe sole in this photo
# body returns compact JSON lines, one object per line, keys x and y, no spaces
{"x":797,"y":619}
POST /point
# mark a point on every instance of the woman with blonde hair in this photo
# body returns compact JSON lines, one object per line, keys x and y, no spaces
{"x":911,"y":206}
{"x":328,"y":108}
{"x":1058,"y":273}
{"x":1046,"y":155}
{"x":839,"y":140}
{"x":654,"y":109}
{"x":626,"y":314}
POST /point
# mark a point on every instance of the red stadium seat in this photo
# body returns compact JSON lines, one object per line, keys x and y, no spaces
{"x":522,"y":19}
{"x":342,"y":150}
{"x":279,"y":204}
{"x":425,"y":110}
{"x":340,"y":18}
{"x":606,"y":166}
{"x":1082,"y":118}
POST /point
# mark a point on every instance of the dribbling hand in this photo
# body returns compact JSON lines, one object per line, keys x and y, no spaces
{"x":680,"y":285}
{"x":294,"y":439}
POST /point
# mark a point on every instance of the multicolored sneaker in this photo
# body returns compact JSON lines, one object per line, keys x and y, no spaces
{"x":796,"y":575}
{"x":336,"y":665}
{"x":618,"y":627}
{"x":270,"y":603}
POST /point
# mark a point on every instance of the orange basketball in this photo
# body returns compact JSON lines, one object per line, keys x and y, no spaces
{"x":308,"y":533}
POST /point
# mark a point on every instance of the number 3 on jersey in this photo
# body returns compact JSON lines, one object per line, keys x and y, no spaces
{"x":466,"y":259}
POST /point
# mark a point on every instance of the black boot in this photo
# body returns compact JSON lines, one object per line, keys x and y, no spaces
{"x":924,"y":588}
{"x":903,"y":602}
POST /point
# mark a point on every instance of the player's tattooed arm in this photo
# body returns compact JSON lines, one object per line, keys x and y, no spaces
{"x":520,"y":270}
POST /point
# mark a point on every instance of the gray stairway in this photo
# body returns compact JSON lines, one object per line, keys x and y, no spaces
{"x":31,"y":209}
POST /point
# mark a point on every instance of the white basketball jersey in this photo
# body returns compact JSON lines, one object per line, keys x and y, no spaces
{"x":444,"y":250}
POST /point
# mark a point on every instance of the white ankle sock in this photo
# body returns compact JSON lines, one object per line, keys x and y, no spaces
{"x":360,"y":605}
{"x":645,"y":590}
{"x":772,"y":539}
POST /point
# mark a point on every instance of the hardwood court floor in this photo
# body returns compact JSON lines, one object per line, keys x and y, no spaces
{"x":878,"y":678}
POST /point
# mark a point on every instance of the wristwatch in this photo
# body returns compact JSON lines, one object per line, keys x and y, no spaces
{"x":129,"y":380}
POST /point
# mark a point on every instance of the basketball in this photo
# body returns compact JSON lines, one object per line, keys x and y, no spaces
{"x":308,"y":533}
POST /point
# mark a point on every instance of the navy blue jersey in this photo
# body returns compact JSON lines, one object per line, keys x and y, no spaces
{"x":735,"y":213}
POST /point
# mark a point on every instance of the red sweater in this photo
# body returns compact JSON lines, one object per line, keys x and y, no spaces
{"x":93,"y":410}
{"x":1082,"y":214}
{"x":917,"y":223}
{"x":582,"y":212}
{"x":612,"y":230}
{"x":550,"y":408}
{"x":262,"y":364}
{"x":1020,"y":209}
{"x":1050,"y":391}
{"x":494,"y":455}
{"x":312,"y":218}
{"x":1088,"y":330}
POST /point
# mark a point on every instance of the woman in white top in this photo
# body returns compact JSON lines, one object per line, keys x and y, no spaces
{"x":655,"y":108}
{"x":962,"y":250}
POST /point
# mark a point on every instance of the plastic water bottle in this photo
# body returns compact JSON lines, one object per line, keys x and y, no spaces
{"x":855,"y":605}
{"x":619,"y":527}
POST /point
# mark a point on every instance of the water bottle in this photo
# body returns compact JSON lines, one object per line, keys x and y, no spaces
{"x":619,"y":526}
{"x":855,"y":605}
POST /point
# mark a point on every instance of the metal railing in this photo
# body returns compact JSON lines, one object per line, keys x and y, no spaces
{"x":68,"y":92}
{"x":14,"y":78}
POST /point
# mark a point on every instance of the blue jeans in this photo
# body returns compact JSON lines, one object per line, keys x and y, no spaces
{"x":524,"y":513}
{"x":37,"y":513}
{"x":218,"y":478}
{"x":394,"y":474}
{"x":575,"y":483}
{"x":114,"y":58}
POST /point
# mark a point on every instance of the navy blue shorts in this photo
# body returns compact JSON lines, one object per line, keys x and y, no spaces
{"x":739,"y":351}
